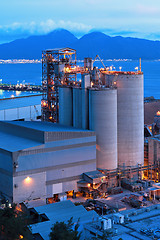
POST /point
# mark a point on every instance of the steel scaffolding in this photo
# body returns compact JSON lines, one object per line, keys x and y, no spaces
{"x":57,"y":69}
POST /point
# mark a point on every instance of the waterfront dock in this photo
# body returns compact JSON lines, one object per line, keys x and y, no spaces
{"x":21,"y":87}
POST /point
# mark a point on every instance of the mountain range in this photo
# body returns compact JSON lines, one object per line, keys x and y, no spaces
{"x":89,"y":45}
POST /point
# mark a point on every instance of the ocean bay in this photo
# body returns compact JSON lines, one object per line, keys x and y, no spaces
{"x":32,"y":74}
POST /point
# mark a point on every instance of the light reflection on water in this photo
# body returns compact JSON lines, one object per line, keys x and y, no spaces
{"x":12,"y":94}
{"x":32,"y":73}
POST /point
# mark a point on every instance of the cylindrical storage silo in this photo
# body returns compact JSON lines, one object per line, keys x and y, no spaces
{"x":65,"y":106}
{"x":77,"y":107}
{"x":103,"y":120}
{"x":130,"y":115}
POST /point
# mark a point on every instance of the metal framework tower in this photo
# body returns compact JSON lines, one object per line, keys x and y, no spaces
{"x":58,"y":68}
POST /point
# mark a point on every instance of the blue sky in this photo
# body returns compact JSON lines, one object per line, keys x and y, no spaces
{"x":134,"y":18}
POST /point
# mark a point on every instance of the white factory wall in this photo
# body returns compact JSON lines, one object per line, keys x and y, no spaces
{"x":61,"y":162}
{"x":103,"y":120}
{"x":63,"y":186}
{"x":26,"y":113}
{"x":53,"y":158}
{"x":130,"y":119}
{"x":27,"y":187}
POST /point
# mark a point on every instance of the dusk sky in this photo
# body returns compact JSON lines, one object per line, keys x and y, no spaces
{"x":134,"y":18}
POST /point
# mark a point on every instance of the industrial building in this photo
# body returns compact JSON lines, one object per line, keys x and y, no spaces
{"x":105,"y":101}
{"x":27,"y":108}
{"x":152,"y":139}
{"x":40,"y":160}
{"x":61,"y":212}
{"x":89,"y":123}
{"x":132,"y":224}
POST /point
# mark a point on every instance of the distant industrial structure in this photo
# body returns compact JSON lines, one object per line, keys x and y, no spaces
{"x":105,"y":101}
{"x":152,"y":138}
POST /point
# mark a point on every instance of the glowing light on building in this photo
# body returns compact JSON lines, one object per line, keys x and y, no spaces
{"x":158,"y":113}
{"x":98,"y":147}
{"x":28,"y":180}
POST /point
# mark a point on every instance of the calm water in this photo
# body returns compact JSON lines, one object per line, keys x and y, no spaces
{"x":8,"y":94}
{"x":31,"y":73}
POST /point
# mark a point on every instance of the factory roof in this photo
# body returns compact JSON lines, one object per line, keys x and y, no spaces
{"x":122,"y":72}
{"x":13,"y":143}
{"x":150,"y":110}
{"x":19,"y":102}
{"x":140,"y":223}
{"x":94,"y":174}
{"x":47,"y":126}
{"x":54,"y":207}
{"x":19,"y":135}
{"x":59,"y":212}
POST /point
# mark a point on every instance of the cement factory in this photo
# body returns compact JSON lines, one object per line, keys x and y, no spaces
{"x":90,"y":139}
{"x":91,"y":148}
{"x":105,"y":101}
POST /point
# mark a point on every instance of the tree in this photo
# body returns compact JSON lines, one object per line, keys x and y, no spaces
{"x":103,"y":237}
{"x":65,"y":231}
{"x":13,"y":224}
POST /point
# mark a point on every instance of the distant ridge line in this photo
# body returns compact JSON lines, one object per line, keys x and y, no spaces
{"x":89,"y":45}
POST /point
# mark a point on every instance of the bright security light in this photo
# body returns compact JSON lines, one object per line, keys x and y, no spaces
{"x":28,"y":180}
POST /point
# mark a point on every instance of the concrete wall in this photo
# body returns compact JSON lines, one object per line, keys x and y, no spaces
{"x":6,"y":172}
{"x":28,"y":187}
{"x":26,"y":113}
{"x":55,"y":166}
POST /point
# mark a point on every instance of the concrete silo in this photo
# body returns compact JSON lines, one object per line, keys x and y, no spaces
{"x":77,"y":107}
{"x":65,"y":106}
{"x":80,"y":103}
{"x":130,"y":119}
{"x":103,"y":120}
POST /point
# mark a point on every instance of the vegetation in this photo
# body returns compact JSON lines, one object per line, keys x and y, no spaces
{"x":65,"y":231}
{"x":103,"y":237}
{"x":13,"y":224}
